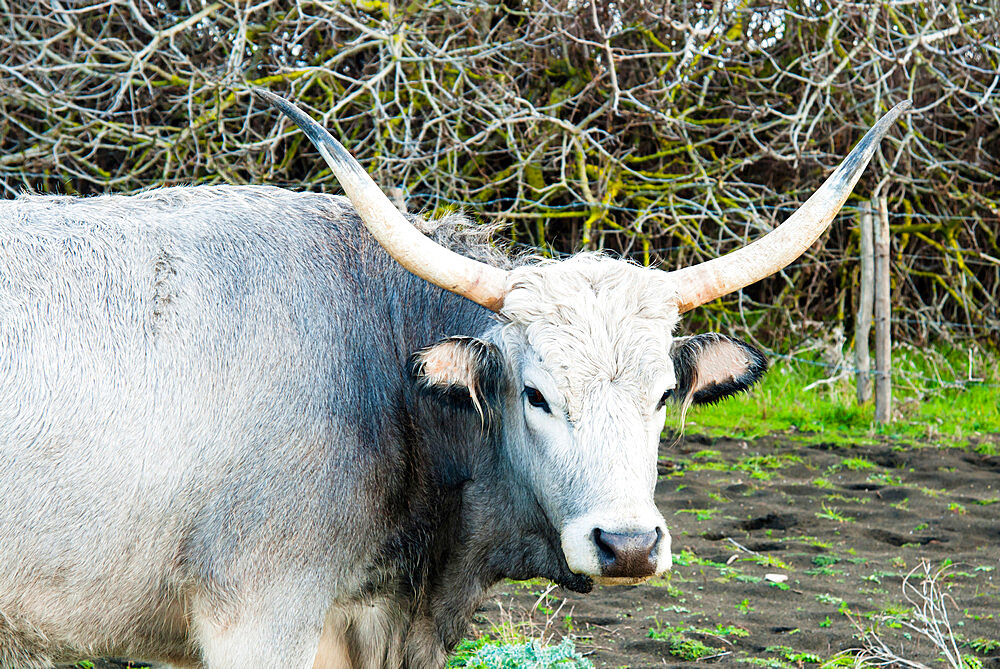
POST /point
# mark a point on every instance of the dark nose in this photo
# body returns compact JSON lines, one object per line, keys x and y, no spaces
{"x":627,"y":555}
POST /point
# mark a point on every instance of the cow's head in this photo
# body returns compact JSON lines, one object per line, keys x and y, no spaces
{"x":588,"y":359}
{"x":590,"y":365}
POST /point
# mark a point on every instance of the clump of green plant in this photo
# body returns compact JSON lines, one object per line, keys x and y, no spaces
{"x":983,"y":646}
{"x":699,"y":514}
{"x":679,"y":645}
{"x":798,"y":657}
{"x":885,"y":478}
{"x":856,"y":464}
{"x":763,"y":466}
{"x":770,"y":662}
{"x":487,"y":653}
{"x":832,"y":513}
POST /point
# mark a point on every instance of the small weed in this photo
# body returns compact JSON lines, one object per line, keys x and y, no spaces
{"x":856,"y":464}
{"x":901,"y":505}
{"x":811,"y":541}
{"x":826,"y":622}
{"x":685,"y":558}
{"x":794,"y":656}
{"x":768,"y":560}
{"x":699,"y":514}
{"x":744,"y":607}
{"x":831,"y":513}
{"x":955,"y":507}
{"x":987,"y":502}
{"x":730,"y":630}
{"x":707,"y":466}
{"x":877,"y":576}
{"x":679,"y":645}
{"x":885,"y":478}
{"x":823,"y":571}
{"x":987,"y":448}
{"x":850,"y":500}
{"x":983,"y":646}
{"x":758,"y":465}
{"x":770,"y":662}
{"x":706,"y":454}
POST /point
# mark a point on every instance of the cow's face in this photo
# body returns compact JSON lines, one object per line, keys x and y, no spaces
{"x":590,"y":364}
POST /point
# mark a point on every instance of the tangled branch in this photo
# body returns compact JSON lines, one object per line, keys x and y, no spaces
{"x":668,"y":132}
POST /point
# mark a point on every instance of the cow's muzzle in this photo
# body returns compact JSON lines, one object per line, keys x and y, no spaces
{"x":617,"y":551}
{"x":632,"y":555}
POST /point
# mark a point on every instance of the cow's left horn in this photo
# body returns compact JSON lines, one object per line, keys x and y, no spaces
{"x":714,"y":278}
{"x":481,"y":283}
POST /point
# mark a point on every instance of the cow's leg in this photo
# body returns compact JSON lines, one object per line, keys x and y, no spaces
{"x":333,"y":651}
{"x":376,"y":634}
{"x":277,"y":631}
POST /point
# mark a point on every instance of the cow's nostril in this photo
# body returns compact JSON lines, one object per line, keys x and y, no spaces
{"x":627,"y":555}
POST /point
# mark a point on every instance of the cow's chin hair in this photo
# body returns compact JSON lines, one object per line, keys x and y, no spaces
{"x":577,"y":583}
{"x":620,"y":580}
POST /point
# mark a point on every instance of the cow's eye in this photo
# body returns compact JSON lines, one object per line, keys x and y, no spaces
{"x":536,"y":399}
{"x":663,"y":399}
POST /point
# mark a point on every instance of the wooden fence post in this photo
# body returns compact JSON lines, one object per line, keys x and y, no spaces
{"x":883,"y":344}
{"x":863,"y":318}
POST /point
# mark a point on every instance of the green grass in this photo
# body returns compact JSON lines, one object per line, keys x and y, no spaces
{"x":925,"y":411}
{"x":679,"y":645}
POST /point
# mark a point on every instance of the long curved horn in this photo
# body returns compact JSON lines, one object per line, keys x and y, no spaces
{"x":771,"y":253}
{"x":479,"y":282}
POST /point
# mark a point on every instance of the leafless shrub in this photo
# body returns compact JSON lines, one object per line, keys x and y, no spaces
{"x":667,"y":131}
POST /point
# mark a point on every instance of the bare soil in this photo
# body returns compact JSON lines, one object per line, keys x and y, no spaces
{"x":844,"y":523}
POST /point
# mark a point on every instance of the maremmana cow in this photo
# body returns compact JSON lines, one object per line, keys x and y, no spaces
{"x":249,"y":427}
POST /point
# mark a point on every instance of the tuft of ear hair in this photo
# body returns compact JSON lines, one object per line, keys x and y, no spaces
{"x":462,"y":369}
{"x":711,"y":367}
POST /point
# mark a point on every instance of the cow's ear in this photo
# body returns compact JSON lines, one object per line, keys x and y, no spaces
{"x":711,"y":367}
{"x":461,"y":368}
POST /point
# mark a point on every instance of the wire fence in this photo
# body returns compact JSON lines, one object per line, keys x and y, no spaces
{"x":665,"y":132}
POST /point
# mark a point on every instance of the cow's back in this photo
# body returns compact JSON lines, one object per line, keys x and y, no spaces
{"x":184,"y":374}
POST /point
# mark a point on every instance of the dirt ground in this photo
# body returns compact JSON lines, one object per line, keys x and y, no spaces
{"x":844,"y":523}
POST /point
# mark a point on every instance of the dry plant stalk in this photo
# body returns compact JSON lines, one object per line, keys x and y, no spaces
{"x":928,"y":619}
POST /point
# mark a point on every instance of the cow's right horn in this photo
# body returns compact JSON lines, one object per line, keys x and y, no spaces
{"x":714,"y":278}
{"x":479,"y":282}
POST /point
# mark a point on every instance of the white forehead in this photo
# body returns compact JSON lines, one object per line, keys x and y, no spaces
{"x":592,"y":320}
